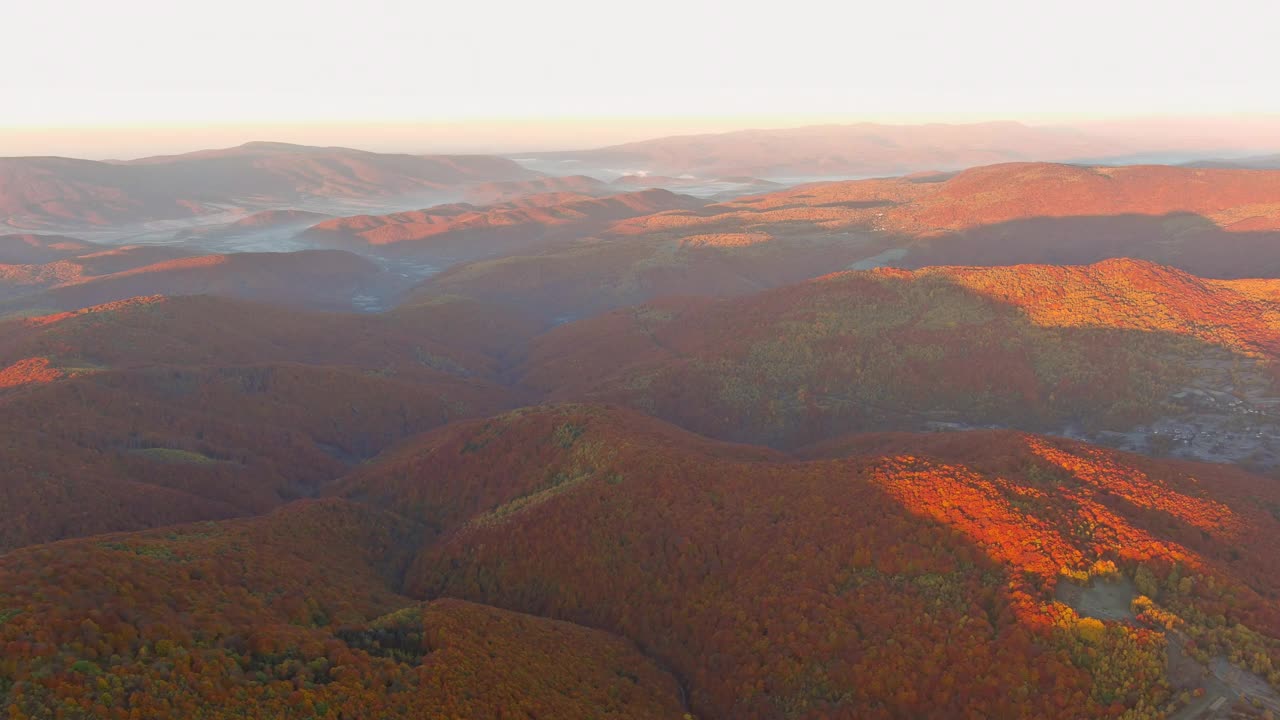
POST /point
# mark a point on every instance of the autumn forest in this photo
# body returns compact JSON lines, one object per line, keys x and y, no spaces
{"x":324,"y":434}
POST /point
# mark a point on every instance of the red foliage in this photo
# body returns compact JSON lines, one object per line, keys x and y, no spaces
{"x":279,"y":617}
{"x":915,"y":579}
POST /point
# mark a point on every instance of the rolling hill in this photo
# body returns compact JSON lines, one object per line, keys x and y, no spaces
{"x":883,"y":576}
{"x":570,"y":281}
{"x":1036,"y":212}
{"x":164,"y":410}
{"x":1214,"y":223}
{"x":721,"y":505}
{"x":450,"y":335}
{"x":139,"y":448}
{"x":315,"y":279}
{"x":291,"y":615}
{"x":455,"y":233}
{"x":1134,"y":343}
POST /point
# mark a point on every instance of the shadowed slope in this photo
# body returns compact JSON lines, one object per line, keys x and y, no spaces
{"x":40,"y":249}
{"x":316,"y":279}
{"x":124,"y":450}
{"x":167,"y":410}
{"x":291,"y":615}
{"x":595,"y":275}
{"x":450,"y":335}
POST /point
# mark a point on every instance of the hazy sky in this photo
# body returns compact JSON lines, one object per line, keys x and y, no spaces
{"x":542,"y":72}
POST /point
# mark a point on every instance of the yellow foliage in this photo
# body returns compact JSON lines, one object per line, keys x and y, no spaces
{"x":1091,"y":630}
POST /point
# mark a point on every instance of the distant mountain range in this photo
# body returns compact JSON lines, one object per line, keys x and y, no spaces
{"x":871,"y":149}
{"x":48,"y":191}
{"x":52,"y":192}
{"x":838,"y":150}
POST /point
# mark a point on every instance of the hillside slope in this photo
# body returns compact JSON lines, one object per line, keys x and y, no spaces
{"x":159,"y":411}
{"x":500,"y":192}
{"x":292,"y":615}
{"x":40,"y":249}
{"x":455,"y":233}
{"x":916,"y":577}
{"x":1214,"y":223}
{"x":960,"y":346}
{"x":448,"y":335}
{"x":314,"y":279}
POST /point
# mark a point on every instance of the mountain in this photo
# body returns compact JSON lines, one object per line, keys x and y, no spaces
{"x":1101,"y":349}
{"x":317,"y":279}
{"x":897,"y":576}
{"x":50,"y":191}
{"x":454,"y":233}
{"x":292,"y":615}
{"x":841,"y":150}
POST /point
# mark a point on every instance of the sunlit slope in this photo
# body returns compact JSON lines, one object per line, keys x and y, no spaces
{"x":888,"y":576}
{"x":1103,"y":346}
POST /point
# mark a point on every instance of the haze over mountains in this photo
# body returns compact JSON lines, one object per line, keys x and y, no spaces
{"x":835,"y":422}
{"x":42,"y":191}
{"x":872,"y":149}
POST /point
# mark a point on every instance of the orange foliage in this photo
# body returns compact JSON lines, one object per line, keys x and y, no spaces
{"x":830,"y":587}
{"x":466,"y":232}
{"x":28,"y":371}
{"x":898,"y":349}
{"x":286,"y":616}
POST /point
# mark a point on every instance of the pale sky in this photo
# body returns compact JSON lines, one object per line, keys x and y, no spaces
{"x":442,"y":74}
